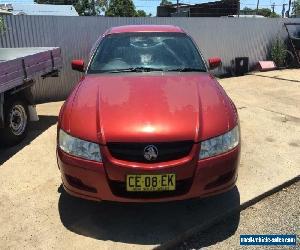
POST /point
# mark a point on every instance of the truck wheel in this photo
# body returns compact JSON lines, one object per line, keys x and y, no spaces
{"x":16,"y":123}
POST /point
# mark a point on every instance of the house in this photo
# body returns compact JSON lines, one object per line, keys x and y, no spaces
{"x":5,"y":9}
{"x":40,"y":9}
{"x":210,"y":9}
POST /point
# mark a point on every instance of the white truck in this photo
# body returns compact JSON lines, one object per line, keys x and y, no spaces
{"x":19,"y":69}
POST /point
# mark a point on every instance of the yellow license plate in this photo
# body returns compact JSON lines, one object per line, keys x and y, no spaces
{"x":150,"y":183}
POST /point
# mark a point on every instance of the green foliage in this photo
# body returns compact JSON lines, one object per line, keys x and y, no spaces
{"x":84,"y":8}
{"x":2,"y":24}
{"x":103,"y":4}
{"x":274,"y":15}
{"x":165,"y":2}
{"x":246,"y":10}
{"x":262,"y":12}
{"x":140,"y":13}
{"x":121,"y":8}
{"x":296,"y":8}
{"x":278,"y":52}
{"x":90,"y":8}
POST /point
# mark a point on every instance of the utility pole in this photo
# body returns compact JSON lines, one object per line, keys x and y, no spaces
{"x":273,"y":6}
{"x":177,"y":6}
{"x":257,"y":7}
{"x":283,"y":10}
{"x":289,"y":9}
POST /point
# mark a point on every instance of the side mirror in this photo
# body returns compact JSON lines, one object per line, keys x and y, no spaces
{"x":78,"y":65}
{"x":214,"y":62}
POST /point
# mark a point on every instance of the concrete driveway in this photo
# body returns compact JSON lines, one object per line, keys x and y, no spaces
{"x":36,"y":213}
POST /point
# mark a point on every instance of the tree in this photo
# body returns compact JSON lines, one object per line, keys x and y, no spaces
{"x":278,"y":52}
{"x":103,"y":4}
{"x":296,"y":8}
{"x":274,"y":15}
{"x":2,"y":24}
{"x":262,"y":12}
{"x":141,"y":13}
{"x":85,"y":8}
{"x":267,"y":13}
{"x":247,"y":10}
{"x":165,"y":2}
{"x":122,"y":8}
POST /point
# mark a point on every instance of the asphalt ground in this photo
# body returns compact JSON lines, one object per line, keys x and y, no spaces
{"x":276,"y":214}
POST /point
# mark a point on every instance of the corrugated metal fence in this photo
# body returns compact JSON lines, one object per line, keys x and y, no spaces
{"x":224,"y":37}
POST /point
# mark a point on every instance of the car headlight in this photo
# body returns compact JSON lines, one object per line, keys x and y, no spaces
{"x":78,"y":147}
{"x":220,"y":144}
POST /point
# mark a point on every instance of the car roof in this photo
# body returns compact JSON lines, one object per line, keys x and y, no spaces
{"x":144,"y":28}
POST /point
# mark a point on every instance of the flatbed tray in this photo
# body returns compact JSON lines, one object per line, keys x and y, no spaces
{"x":20,"y":64}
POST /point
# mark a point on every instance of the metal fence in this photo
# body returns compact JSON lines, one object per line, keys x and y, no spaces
{"x":224,"y":37}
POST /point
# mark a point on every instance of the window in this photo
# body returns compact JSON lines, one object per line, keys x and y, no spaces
{"x":146,"y":51}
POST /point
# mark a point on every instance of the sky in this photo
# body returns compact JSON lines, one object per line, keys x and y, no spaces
{"x":150,"y":5}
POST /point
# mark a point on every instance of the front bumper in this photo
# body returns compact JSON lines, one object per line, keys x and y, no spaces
{"x":89,"y":180}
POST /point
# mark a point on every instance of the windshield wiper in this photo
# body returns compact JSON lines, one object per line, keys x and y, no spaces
{"x":149,"y":69}
{"x":187,"y":69}
{"x":134,"y":69}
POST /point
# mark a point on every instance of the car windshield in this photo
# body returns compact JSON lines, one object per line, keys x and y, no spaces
{"x":139,"y":52}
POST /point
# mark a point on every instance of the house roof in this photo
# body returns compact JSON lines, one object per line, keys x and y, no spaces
{"x":44,"y":9}
{"x":5,"y":12}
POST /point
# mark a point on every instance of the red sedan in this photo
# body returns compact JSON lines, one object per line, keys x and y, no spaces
{"x":147,"y":122}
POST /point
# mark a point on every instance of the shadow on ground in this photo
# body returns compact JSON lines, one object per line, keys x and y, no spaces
{"x":146,"y":224}
{"x":278,"y":78}
{"x":35,"y":129}
{"x":216,"y":233}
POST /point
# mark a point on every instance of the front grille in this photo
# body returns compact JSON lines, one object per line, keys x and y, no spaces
{"x":134,"y":152}
{"x":119,"y":189}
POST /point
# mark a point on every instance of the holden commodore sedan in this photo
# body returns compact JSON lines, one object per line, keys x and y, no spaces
{"x":147,"y":122}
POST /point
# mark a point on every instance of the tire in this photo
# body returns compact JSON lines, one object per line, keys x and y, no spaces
{"x":16,"y":123}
